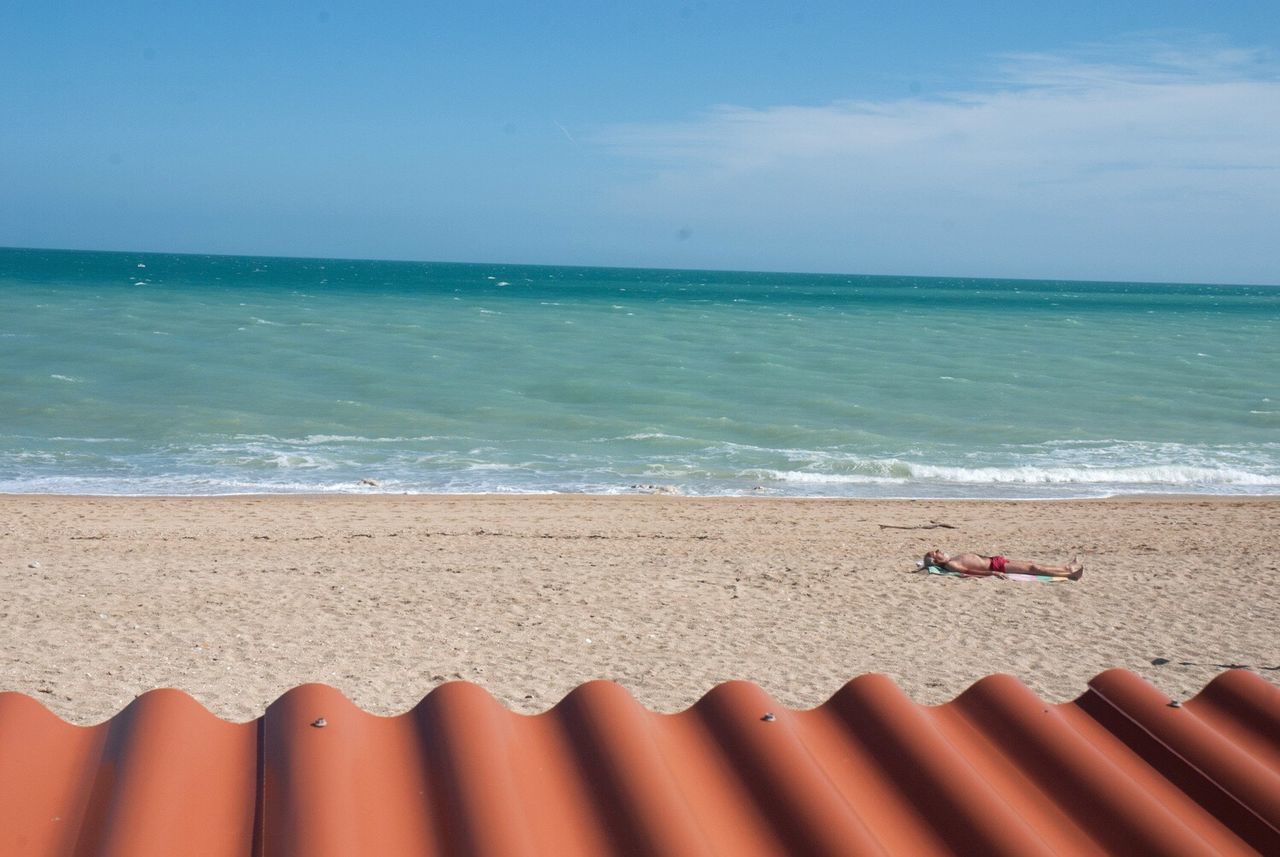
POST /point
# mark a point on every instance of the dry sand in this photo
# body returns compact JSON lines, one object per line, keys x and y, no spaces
{"x":236,"y":600}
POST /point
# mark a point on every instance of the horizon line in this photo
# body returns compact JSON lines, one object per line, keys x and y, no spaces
{"x":816,"y":273}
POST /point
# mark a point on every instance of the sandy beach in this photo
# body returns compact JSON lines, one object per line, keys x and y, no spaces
{"x":237,"y":599}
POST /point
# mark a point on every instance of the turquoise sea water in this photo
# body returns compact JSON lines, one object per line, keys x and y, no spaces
{"x":132,"y":373}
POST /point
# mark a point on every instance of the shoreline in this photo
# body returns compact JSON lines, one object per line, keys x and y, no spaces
{"x":635,"y":494}
{"x":235,"y":599}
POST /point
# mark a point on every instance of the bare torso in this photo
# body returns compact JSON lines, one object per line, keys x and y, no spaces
{"x":969,"y":563}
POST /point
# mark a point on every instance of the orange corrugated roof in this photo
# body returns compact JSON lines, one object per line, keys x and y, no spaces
{"x":1120,"y":770}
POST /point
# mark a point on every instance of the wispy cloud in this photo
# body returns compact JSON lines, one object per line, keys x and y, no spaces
{"x":1147,"y":151}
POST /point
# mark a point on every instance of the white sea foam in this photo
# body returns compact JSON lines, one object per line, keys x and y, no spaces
{"x":315,"y":439}
{"x":809,"y":477}
{"x":1166,"y":474}
{"x":67,"y":378}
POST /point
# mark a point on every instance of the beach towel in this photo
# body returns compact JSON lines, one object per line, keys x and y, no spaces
{"x":1003,"y":575}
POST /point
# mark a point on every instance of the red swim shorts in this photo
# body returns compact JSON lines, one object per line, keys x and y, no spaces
{"x":997,"y":563}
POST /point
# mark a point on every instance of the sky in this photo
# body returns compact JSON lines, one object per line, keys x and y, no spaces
{"x":1096,"y":140}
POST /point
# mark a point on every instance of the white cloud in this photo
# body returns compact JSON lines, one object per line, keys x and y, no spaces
{"x":1076,"y":166}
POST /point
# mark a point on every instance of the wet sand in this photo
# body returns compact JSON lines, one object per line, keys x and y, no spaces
{"x":236,"y":600}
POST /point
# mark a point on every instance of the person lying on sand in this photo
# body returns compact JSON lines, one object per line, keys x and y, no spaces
{"x":972,"y":563}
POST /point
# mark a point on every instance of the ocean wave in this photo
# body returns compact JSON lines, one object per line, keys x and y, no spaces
{"x":328,"y":439}
{"x":325,"y":463}
{"x":169,"y":485}
{"x":810,"y":477}
{"x":1115,"y":468}
{"x":1163,"y":474}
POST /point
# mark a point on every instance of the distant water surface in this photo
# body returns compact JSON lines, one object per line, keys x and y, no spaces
{"x":133,"y":373}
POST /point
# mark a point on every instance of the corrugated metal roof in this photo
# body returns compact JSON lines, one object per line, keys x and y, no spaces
{"x":1120,"y":770}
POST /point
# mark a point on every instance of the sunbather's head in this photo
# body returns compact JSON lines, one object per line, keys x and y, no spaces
{"x":936,"y":557}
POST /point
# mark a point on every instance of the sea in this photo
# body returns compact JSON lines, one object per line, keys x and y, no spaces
{"x":158,"y":374}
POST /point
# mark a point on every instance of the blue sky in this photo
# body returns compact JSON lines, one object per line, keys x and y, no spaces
{"x":1094,"y":141}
